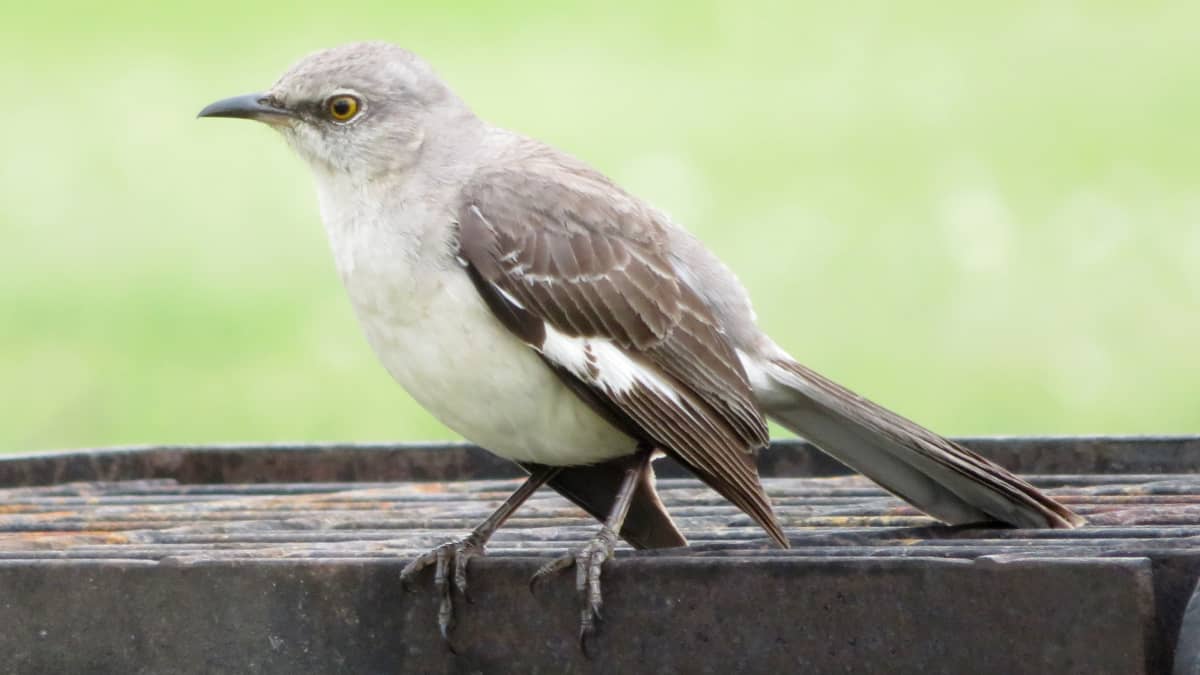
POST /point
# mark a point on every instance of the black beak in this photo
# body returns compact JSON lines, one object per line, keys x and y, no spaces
{"x":247,"y":106}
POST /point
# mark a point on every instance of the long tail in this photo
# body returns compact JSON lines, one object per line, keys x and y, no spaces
{"x":938,"y":476}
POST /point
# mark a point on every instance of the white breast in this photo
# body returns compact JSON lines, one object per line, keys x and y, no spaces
{"x":434,"y":334}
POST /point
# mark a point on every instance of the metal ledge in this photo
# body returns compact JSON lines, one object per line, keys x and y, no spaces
{"x":279,"y":463}
{"x":731,"y":615}
{"x":285,"y":559}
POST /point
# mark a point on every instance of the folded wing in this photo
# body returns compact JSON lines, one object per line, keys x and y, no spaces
{"x":576,"y":268}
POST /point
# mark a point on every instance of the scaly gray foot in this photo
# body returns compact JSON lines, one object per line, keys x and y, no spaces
{"x":588,"y":562}
{"x":456,"y":554}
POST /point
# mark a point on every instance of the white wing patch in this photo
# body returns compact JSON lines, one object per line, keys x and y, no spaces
{"x":602,"y":364}
{"x":508,"y":297}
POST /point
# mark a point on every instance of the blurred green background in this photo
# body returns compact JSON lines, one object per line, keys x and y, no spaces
{"x":985,"y":218}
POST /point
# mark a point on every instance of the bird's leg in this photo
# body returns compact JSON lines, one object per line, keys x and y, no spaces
{"x":459,"y":553}
{"x":589,"y":559}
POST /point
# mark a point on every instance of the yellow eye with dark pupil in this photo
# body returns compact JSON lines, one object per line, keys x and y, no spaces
{"x":342,"y":108}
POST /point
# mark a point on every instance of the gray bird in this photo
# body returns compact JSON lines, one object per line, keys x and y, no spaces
{"x":544,"y":313}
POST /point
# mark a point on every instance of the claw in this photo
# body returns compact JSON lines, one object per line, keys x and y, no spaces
{"x":460,"y":574}
{"x":595,"y":599}
{"x":588,"y":562}
{"x":442,"y":584}
{"x":416,"y":565}
{"x":557,"y":565}
{"x":584,"y":632}
{"x":446,"y":580}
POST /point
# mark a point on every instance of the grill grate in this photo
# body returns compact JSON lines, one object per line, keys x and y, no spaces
{"x":842,"y":516}
{"x":285,"y":559}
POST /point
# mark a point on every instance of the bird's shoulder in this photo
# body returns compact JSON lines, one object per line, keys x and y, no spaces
{"x":530,"y":184}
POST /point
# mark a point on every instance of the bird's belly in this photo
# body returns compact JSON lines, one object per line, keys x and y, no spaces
{"x":451,"y":355}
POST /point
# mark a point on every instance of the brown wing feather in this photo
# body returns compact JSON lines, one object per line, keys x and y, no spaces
{"x":551,"y":243}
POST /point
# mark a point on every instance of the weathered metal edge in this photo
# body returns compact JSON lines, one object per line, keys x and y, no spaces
{"x":321,"y":462}
{"x":857,"y":615}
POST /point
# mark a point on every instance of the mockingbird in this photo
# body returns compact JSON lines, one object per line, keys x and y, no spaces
{"x":541,"y":311}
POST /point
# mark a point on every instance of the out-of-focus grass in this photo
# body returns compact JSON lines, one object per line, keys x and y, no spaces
{"x":988,"y":219}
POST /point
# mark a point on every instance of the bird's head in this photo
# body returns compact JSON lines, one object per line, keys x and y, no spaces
{"x":362,"y":109}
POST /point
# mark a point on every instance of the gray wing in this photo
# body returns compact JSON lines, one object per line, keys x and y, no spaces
{"x":576,"y":268}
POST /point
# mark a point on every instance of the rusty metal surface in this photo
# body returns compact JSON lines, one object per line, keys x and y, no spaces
{"x":423,"y":462}
{"x":156,"y":565}
{"x":781,"y":616}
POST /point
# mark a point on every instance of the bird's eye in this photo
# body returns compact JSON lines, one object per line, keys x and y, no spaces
{"x":342,"y":108}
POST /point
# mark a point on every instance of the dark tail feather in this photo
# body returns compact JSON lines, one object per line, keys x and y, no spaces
{"x":593,"y":488}
{"x":938,"y":476}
